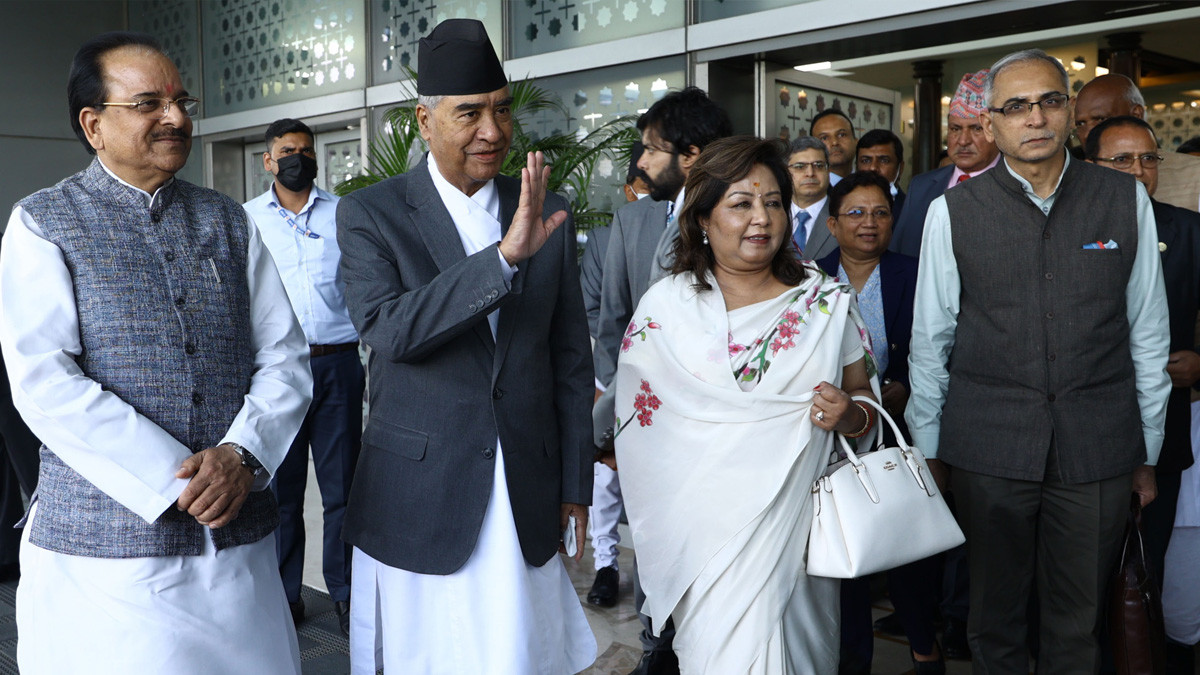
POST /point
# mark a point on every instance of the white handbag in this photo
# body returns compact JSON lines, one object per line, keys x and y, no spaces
{"x":877,"y":511}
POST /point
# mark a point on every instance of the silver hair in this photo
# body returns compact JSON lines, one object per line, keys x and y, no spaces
{"x":802,"y":143}
{"x":430,"y":102}
{"x":1023,"y":56}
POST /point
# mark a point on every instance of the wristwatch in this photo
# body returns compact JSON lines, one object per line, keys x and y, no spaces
{"x":248,"y":459}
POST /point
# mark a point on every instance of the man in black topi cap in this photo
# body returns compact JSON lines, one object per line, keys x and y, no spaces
{"x":478,"y":447}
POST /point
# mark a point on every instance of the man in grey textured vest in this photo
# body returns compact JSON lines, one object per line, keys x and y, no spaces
{"x":151,"y":347}
{"x":1039,"y":343}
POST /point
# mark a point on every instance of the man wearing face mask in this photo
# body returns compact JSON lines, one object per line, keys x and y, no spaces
{"x":296,"y":221}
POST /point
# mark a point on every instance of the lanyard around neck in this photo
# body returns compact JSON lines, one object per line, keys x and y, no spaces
{"x":287,"y":218}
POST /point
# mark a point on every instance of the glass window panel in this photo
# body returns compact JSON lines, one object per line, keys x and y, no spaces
{"x":173,"y":23}
{"x":595,"y":97}
{"x":541,"y":26}
{"x":265,"y":52}
{"x":258,"y":179}
{"x":795,"y":106}
{"x":398,"y":25}
{"x":342,"y":161}
{"x":711,"y":10}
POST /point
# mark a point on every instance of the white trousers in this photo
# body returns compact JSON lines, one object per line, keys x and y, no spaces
{"x":218,"y":613}
{"x":497,"y":615}
{"x":604,"y":515}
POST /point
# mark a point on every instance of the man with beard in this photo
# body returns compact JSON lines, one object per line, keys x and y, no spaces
{"x":1042,"y":278}
{"x":296,"y":221}
{"x":151,"y":347}
{"x":674,"y":131}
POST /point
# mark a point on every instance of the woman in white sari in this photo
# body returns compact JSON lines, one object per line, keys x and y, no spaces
{"x":732,"y":376}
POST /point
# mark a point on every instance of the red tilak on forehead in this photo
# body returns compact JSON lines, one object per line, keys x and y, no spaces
{"x":756,"y":185}
{"x":170,"y":88}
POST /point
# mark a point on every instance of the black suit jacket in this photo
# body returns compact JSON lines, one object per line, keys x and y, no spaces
{"x":442,"y":390}
{"x":898,"y":286}
{"x":1179,"y":231}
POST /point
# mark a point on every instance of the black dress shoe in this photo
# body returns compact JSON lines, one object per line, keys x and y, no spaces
{"x":604,"y":589}
{"x":342,"y":608}
{"x":659,"y":662}
{"x":297,"y":608}
{"x":929,"y":667}
{"x":889,"y":624}
{"x":954,"y":640}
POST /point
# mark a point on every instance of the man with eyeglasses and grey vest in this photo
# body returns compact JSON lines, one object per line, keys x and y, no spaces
{"x":1042,"y":278}
{"x":151,"y":347}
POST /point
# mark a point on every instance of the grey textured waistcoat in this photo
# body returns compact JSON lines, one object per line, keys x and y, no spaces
{"x":1041,"y":352}
{"x":164,"y":317}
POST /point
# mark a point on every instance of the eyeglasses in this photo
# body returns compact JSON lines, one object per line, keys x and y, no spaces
{"x":1148,"y":160}
{"x":803,"y":166}
{"x":190,"y":105}
{"x":857,"y":216}
{"x":1048,"y":103}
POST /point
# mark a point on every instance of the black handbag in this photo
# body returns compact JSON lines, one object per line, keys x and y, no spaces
{"x":1135,"y":614}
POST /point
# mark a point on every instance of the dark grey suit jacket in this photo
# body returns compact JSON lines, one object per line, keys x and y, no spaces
{"x":442,"y":391}
{"x":820,"y":240}
{"x":630,"y":266}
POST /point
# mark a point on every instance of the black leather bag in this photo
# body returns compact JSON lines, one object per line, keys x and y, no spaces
{"x":1135,"y":615}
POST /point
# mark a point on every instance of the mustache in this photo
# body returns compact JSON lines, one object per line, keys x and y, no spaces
{"x":171,"y":133}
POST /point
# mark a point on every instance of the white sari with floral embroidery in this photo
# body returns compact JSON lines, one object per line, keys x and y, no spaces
{"x":717,"y":453}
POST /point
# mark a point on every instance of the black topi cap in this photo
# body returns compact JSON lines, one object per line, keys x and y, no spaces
{"x":457,"y":59}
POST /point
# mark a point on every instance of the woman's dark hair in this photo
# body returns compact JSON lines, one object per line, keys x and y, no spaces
{"x":85,"y":85}
{"x":850,"y":183}
{"x":722,"y":163}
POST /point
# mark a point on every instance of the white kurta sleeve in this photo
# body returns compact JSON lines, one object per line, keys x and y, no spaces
{"x":93,"y":431}
{"x":281,"y":386}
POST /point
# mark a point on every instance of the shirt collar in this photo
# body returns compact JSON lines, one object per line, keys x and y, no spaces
{"x":149,"y":197}
{"x":485,"y":198}
{"x":313,"y":195}
{"x":1028,"y":187}
{"x":959,"y":172}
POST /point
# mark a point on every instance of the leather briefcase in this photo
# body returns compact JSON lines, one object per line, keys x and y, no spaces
{"x":1135,"y":615}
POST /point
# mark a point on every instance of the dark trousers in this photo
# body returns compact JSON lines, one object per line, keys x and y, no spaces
{"x":955,"y":578}
{"x":913,"y":591}
{"x":650,"y":643}
{"x":19,"y":460}
{"x":1057,"y":538}
{"x":333,"y":429}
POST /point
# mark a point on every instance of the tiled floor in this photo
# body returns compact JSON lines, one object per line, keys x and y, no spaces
{"x":616,"y":628}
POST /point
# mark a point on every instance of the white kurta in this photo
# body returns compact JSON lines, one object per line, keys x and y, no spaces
{"x":213,"y":613}
{"x":497,"y":614}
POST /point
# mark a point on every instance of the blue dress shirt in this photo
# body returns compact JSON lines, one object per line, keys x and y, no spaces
{"x":307,"y":265}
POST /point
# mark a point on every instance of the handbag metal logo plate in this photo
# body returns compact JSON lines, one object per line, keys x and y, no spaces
{"x":889,"y":466}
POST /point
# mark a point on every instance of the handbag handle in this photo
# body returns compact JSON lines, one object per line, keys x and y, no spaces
{"x":908,"y":451}
{"x":883,"y":415}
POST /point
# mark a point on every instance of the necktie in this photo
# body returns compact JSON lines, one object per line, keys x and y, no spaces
{"x":962,"y":178}
{"x":800,"y":232}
